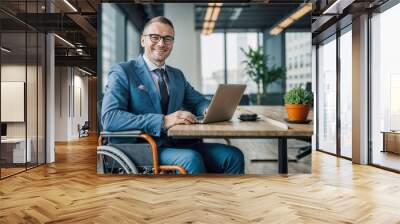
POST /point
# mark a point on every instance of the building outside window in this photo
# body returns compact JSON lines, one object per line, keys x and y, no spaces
{"x":346,"y":93}
{"x":326,"y":101}
{"x":212,"y":60}
{"x":298,"y":48}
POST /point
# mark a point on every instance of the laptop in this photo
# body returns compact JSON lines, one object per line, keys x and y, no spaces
{"x":223,"y":104}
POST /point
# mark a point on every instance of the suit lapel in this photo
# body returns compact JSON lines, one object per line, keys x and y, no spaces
{"x":145,"y":77}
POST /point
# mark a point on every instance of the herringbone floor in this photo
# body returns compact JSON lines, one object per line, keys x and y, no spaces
{"x":70,"y":191}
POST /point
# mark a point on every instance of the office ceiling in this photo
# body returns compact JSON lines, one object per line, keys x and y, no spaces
{"x":252,"y":16}
{"x":80,"y":28}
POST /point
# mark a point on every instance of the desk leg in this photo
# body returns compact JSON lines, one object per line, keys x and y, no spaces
{"x":282,"y":155}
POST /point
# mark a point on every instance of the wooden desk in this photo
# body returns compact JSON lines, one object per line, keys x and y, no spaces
{"x":391,"y":141}
{"x":14,"y":150}
{"x":271,"y":125}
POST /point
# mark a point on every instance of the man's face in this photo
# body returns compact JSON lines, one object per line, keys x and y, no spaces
{"x":157,"y":51}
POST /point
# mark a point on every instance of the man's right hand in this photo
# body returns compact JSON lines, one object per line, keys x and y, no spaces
{"x":179,"y":117}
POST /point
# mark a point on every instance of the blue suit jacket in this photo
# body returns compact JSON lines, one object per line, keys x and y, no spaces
{"x":132,"y":101}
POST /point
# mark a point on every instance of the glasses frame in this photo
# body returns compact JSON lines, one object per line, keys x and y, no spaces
{"x":164,"y":38}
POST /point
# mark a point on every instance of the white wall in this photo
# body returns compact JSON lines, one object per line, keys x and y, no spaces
{"x":186,"y":52}
{"x":61,"y":103}
{"x":33,"y":125}
{"x":70,"y":83}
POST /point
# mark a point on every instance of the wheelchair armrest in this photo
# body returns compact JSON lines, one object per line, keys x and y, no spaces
{"x":131,"y":133}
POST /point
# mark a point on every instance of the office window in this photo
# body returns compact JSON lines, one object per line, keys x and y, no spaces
{"x":235,"y":57}
{"x":298,"y":53}
{"x":385,"y":85}
{"x":113,"y":49}
{"x":327,"y":96}
{"x":212,"y":62}
{"x":346,"y":94}
{"x":132,"y":41}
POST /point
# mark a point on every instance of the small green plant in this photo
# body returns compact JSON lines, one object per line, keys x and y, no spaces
{"x":299,"y":96}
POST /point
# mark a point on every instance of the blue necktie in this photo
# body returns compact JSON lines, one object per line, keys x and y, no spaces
{"x":162,"y":77}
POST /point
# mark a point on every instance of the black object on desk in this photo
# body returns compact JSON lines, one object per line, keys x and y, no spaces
{"x":248,"y":117}
{"x":3,"y":129}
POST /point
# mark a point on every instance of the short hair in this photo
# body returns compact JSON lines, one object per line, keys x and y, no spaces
{"x":160,"y":19}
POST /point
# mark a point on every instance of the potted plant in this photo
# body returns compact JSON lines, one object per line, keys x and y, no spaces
{"x":256,"y":67}
{"x":297,"y":104}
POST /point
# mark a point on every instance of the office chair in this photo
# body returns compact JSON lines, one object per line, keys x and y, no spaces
{"x":84,"y":129}
{"x":138,"y":157}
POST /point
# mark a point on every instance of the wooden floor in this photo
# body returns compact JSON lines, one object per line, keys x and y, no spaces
{"x":70,"y":191}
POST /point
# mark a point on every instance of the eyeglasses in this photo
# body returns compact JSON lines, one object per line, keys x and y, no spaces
{"x":155,"y":38}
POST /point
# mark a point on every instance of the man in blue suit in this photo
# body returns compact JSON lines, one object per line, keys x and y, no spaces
{"x":148,"y":95}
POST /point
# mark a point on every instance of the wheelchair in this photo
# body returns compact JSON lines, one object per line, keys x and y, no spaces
{"x":140,"y":157}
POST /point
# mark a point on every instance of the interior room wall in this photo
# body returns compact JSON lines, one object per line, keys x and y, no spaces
{"x":69,"y":112}
{"x":186,"y":52}
{"x":16,"y":73}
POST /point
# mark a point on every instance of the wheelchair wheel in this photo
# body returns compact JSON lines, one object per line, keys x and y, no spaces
{"x":112,"y":160}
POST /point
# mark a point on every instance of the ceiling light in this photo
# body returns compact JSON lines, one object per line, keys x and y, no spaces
{"x":276,"y":30}
{"x":215,"y":14}
{"x":300,"y":12}
{"x":285,"y":23}
{"x":211,"y":27}
{"x":207,"y":17}
{"x":211,"y":17}
{"x":5,"y":50}
{"x":84,"y":71}
{"x":65,"y":41}
{"x":70,"y":5}
{"x":235,"y":15}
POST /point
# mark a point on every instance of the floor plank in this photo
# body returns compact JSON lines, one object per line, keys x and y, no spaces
{"x":70,"y":191}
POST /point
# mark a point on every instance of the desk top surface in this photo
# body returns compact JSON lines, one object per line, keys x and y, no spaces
{"x":271,"y":124}
{"x":13,"y":140}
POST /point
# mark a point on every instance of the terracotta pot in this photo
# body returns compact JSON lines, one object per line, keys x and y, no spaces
{"x":297,"y":112}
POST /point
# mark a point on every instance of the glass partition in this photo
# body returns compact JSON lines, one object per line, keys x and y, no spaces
{"x":385,"y":89}
{"x":327,"y":96}
{"x":346,"y":94}
{"x":15,"y":150}
{"x":22,"y":90}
